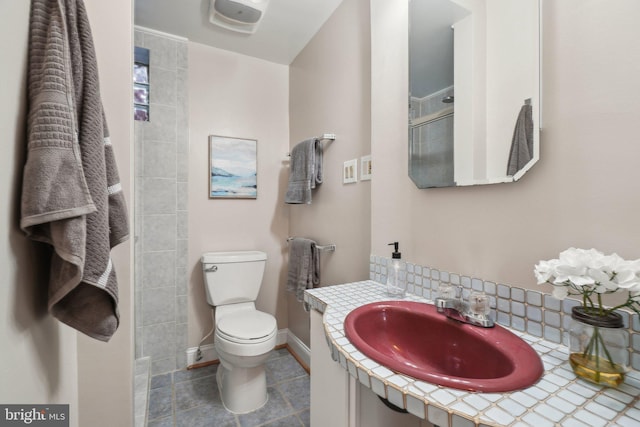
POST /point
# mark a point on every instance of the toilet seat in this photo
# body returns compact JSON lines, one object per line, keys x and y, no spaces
{"x":247,"y":327}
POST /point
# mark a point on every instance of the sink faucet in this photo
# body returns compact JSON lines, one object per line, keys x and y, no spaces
{"x":475,"y":311}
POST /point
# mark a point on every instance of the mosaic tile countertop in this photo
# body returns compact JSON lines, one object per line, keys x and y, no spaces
{"x":558,"y":399}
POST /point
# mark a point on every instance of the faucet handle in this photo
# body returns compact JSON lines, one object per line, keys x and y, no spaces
{"x":446,"y":291}
{"x":479,"y":303}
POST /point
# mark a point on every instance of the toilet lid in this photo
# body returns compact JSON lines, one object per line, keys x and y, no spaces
{"x":247,"y":326}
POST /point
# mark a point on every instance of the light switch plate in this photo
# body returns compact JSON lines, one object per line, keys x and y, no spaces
{"x":350,"y":171}
{"x":365,"y":168}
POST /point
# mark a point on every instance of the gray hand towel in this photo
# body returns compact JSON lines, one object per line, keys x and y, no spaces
{"x":304,"y":266}
{"x":71,"y":195}
{"x":305,"y":171}
{"x":522,"y":143}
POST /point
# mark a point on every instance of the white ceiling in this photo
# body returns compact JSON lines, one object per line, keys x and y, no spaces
{"x":285,"y":29}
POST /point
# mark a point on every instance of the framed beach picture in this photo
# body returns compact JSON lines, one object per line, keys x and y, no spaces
{"x":232,"y":168}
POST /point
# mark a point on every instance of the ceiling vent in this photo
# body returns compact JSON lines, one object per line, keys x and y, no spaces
{"x":237,"y":15}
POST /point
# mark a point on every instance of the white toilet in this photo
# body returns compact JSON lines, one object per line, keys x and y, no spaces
{"x":244,"y":336}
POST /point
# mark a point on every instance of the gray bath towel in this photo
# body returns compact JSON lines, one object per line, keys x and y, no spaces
{"x":305,"y":171}
{"x":71,"y":195}
{"x":304,"y":266}
{"x":522,"y":143}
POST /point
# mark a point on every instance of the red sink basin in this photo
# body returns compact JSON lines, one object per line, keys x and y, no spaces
{"x":414,"y":339}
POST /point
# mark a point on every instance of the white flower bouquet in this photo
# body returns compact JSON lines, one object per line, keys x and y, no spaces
{"x":597,"y":343}
{"x":591,"y":274}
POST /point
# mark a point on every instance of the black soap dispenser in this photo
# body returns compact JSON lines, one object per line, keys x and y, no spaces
{"x":396,"y":274}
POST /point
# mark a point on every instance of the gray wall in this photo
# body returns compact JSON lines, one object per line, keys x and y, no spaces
{"x":330,"y":90}
{"x":161,"y":149}
{"x":582,"y":192}
{"x":38,"y":361}
{"x":43,"y":360}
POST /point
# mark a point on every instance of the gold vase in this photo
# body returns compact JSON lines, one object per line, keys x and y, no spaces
{"x":598,"y":346}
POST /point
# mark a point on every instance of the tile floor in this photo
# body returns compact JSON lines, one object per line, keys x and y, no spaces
{"x":190,"y":398}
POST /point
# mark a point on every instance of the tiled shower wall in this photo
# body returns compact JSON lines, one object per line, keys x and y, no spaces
{"x":431,"y":103}
{"x":161,"y":155}
{"x":525,"y":310}
{"x":432,"y":141}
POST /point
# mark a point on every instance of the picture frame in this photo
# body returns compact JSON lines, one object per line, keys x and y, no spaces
{"x":233,"y":171}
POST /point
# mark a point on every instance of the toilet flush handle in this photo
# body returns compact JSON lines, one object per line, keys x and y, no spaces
{"x":211,"y":269}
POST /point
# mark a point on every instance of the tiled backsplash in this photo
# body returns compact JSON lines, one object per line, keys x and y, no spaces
{"x":533,"y":312}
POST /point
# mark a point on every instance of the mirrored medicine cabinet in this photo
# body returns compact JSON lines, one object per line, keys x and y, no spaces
{"x":474,"y":95}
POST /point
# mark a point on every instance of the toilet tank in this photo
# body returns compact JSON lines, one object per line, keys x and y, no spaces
{"x":232,"y":277}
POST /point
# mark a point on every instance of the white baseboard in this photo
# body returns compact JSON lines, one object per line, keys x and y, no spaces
{"x":208,"y":352}
{"x":284,"y":336}
{"x":299,"y":348}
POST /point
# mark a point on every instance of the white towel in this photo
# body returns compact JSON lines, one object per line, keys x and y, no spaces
{"x":305,"y":171}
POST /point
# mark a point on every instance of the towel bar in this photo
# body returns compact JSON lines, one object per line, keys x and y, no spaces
{"x":328,"y":136}
{"x":330,"y":248}
{"x":323,"y":137}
